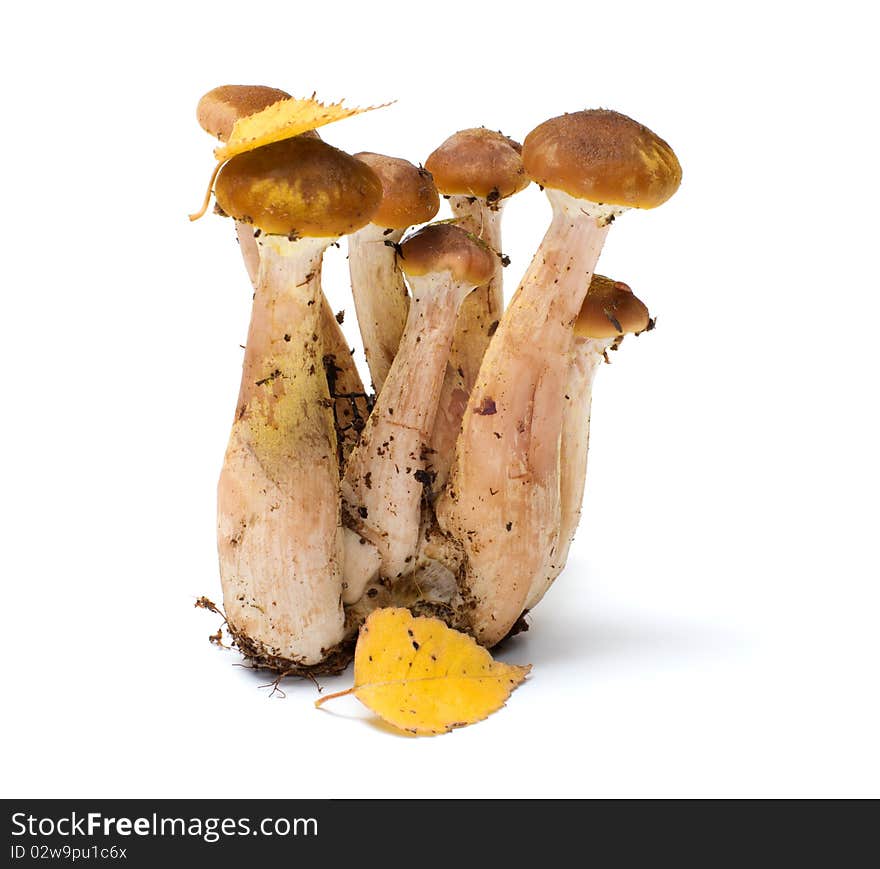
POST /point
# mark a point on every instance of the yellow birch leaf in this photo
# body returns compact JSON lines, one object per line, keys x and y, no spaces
{"x":425,"y":678}
{"x":282,"y":120}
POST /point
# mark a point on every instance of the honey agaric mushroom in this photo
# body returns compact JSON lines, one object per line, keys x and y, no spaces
{"x":217,"y":112}
{"x":380,"y":297}
{"x":477,"y":170}
{"x":502,"y":503}
{"x":220,"y":108}
{"x":610,"y":311}
{"x":280,"y":537}
{"x":386,"y":473}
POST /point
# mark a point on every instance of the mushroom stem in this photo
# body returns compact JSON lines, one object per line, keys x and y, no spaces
{"x":586,"y":357}
{"x":503,"y":502}
{"x":380,"y":296}
{"x":477,"y":320}
{"x":350,"y":404}
{"x":361,"y":566}
{"x":482,"y":309}
{"x":280,"y":538}
{"x":250,"y":250}
{"x":384,"y":478}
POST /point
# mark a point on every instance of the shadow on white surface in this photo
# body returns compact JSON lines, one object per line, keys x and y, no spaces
{"x":598,"y":636}
{"x":576,"y":625}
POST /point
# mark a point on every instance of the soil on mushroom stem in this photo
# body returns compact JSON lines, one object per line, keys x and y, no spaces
{"x":341,"y":655}
{"x":335,"y":661}
{"x":403,"y":592}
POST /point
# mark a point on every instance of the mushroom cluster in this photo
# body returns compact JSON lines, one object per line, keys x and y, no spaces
{"x":454,"y":487}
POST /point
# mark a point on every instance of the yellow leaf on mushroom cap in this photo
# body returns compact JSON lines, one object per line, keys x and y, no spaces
{"x":283,"y":120}
{"x":425,"y":678}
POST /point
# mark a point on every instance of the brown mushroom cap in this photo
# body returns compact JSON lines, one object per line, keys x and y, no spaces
{"x":299,"y":187}
{"x":602,"y":156}
{"x":610,"y":310}
{"x":220,"y":108}
{"x":478,"y":162}
{"x":441,"y":247}
{"x":408,"y":192}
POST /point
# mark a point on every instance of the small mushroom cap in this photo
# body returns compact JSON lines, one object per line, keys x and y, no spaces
{"x":299,"y":187}
{"x":441,"y":247}
{"x":220,"y":108}
{"x":610,"y":310}
{"x":408,"y":192}
{"x":478,"y":162}
{"x":602,"y":156}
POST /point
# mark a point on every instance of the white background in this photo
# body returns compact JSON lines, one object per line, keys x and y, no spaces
{"x":715,"y":632}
